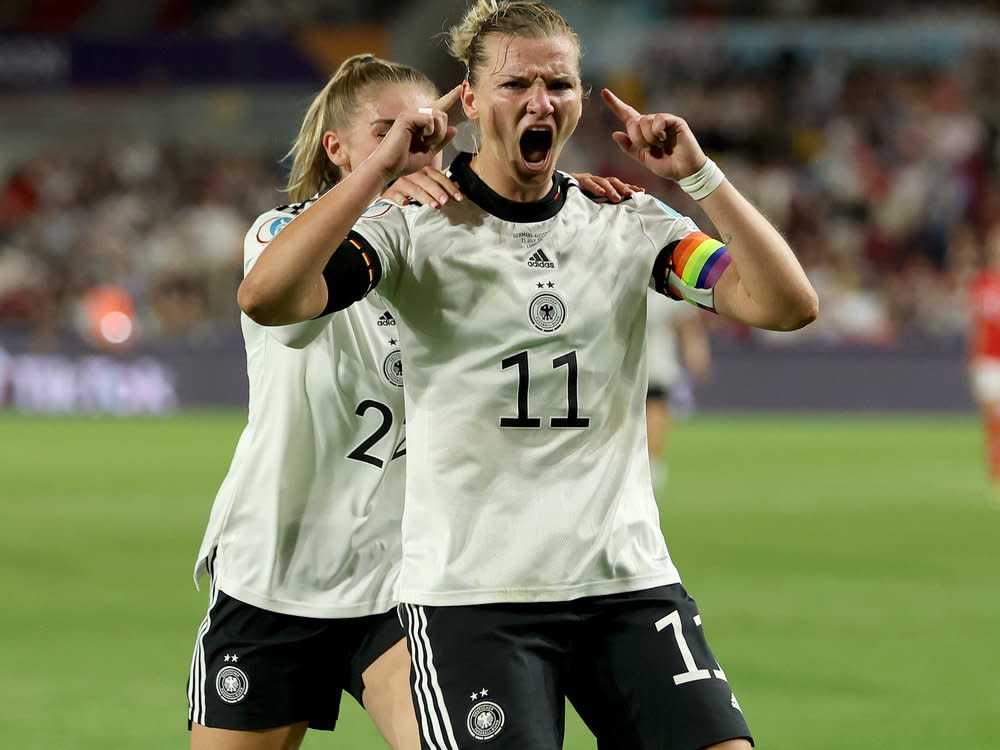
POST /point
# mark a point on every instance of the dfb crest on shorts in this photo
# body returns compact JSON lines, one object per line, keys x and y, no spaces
{"x":485,"y":720}
{"x":392,"y":368}
{"x":546,"y":312}
{"x":232,"y":684}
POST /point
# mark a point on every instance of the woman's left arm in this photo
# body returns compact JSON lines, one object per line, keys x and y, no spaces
{"x":764,"y":284}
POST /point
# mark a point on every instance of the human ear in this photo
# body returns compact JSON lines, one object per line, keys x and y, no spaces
{"x":468,"y":97}
{"x":335,"y":150}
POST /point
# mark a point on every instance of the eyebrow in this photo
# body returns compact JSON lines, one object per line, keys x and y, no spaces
{"x":548,"y":77}
{"x":383,"y":121}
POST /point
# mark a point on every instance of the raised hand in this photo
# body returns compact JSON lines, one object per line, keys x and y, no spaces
{"x":661,"y":142}
{"x":416,"y":137}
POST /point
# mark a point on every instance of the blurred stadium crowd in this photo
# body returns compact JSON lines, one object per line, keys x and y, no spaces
{"x":883,"y":174}
{"x":269,"y":16}
{"x":273,"y":16}
{"x":884,"y":178}
{"x":163,"y":223}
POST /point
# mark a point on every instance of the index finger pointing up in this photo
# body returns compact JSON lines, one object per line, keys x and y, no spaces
{"x":447,"y":101}
{"x":621,"y":110}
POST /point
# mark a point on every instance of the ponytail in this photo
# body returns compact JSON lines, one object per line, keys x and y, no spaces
{"x":333,"y":108}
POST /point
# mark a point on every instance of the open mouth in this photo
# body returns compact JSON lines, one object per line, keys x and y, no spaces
{"x":535,"y":145}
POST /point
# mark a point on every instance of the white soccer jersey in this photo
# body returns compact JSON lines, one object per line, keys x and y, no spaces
{"x":523,"y":338}
{"x":307,"y":521}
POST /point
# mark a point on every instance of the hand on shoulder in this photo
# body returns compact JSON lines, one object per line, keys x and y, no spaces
{"x":428,"y":186}
{"x":611,"y":189}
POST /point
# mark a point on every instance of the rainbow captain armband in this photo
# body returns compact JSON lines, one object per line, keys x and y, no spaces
{"x":689,"y":268}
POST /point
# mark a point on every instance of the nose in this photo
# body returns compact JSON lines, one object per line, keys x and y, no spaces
{"x":539,"y":102}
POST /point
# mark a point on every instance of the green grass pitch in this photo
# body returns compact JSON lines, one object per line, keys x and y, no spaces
{"x":847,"y":571}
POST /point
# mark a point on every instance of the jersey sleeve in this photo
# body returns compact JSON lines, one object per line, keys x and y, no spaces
{"x":688,"y":263}
{"x":383,"y":230}
{"x":262,"y":231}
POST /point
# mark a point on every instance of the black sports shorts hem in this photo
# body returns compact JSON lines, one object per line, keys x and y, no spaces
{"x":254,"y":669}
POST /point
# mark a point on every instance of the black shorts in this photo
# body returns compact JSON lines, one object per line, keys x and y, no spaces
{"x":257,"y":669}
{"x":657,"y":392}
{"x":636,"y":666}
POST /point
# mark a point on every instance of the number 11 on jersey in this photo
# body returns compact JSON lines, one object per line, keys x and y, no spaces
{"x":572,"y":418}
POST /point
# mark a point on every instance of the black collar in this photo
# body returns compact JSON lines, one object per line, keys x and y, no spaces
{"x":488,"y":199}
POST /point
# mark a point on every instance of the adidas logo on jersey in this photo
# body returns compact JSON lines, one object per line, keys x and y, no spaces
{"x":386,"y":319}
{"x":539,"y":259}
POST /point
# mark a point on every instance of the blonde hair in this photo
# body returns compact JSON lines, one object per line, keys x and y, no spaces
{"x":333,"y":109}
{"x":524,"y":18}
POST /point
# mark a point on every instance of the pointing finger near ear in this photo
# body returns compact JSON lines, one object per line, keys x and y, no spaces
{"x":437,"y":111}
{"x":447,"y":101}
{"x":620,"y":109}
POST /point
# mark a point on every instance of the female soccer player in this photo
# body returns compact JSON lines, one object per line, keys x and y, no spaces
{"x":303,"y":541}
{"x":984,"y":351}
{"x":533,"y":564}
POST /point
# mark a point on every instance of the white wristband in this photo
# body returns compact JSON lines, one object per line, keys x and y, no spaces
{"x":702,"y":182}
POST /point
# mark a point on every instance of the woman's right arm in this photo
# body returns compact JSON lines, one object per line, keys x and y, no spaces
{"x":287,"y":284}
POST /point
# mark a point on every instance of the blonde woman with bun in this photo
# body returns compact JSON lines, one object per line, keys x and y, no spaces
{"x":534,"y":567}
